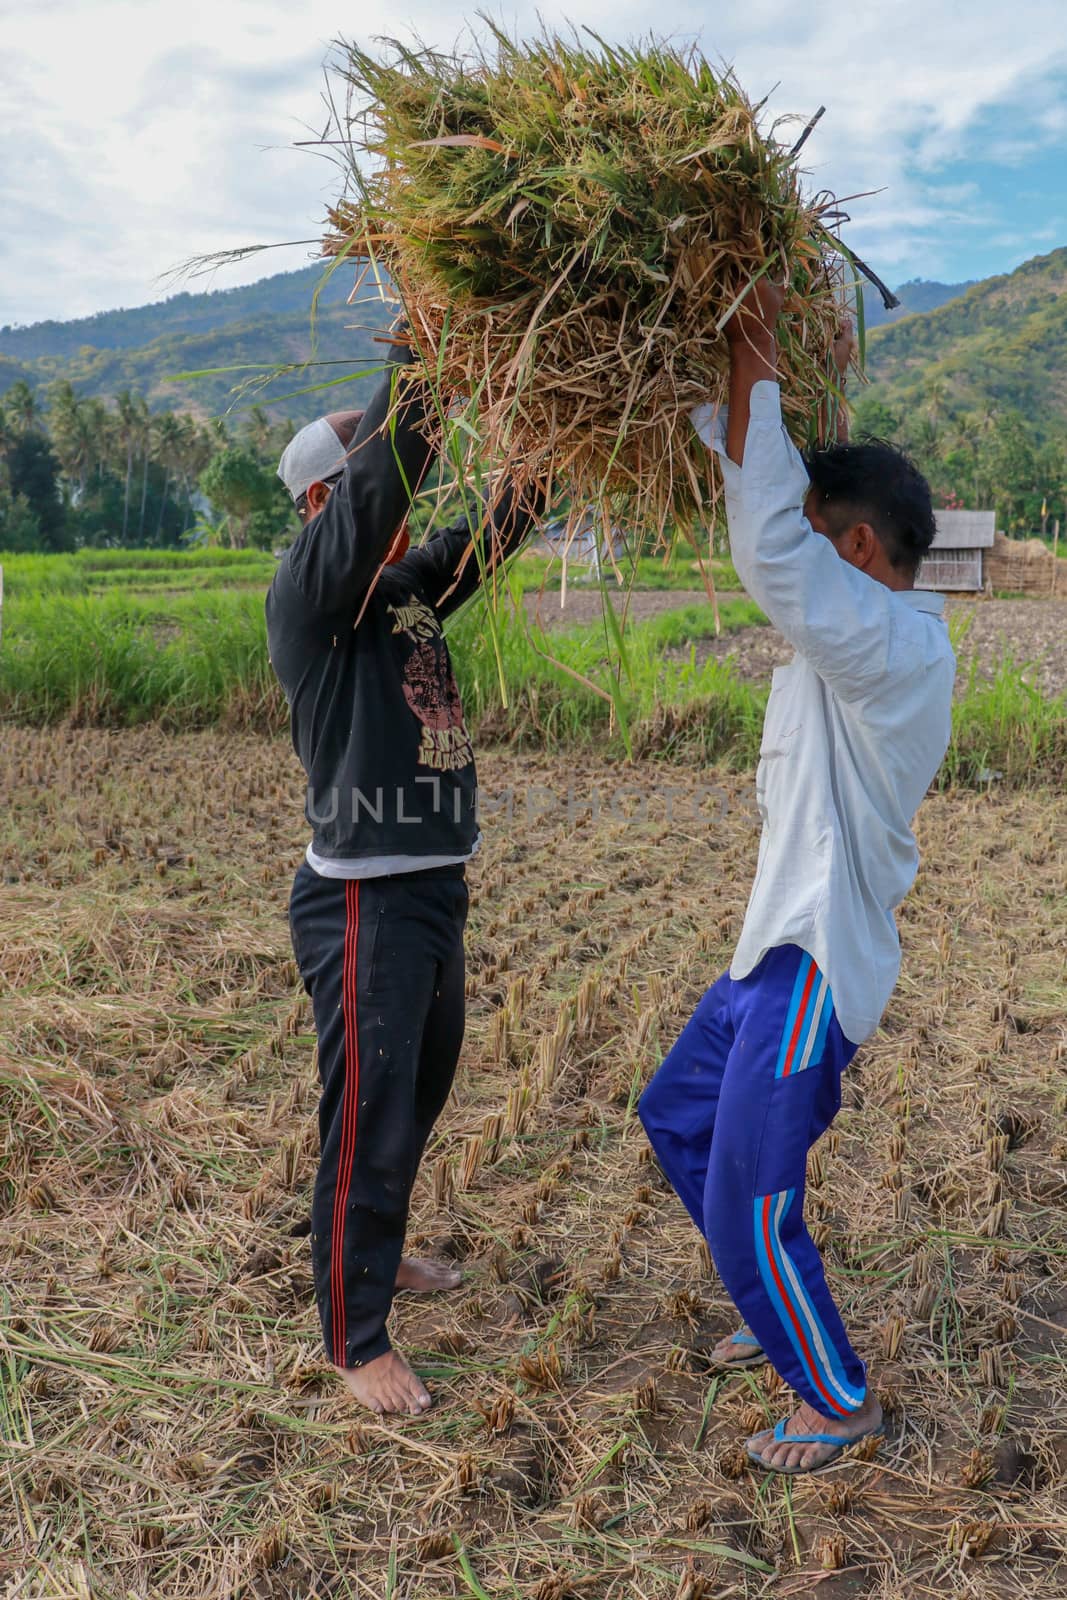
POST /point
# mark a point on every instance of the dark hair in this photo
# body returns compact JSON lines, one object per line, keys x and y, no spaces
{"x":872,"y":481}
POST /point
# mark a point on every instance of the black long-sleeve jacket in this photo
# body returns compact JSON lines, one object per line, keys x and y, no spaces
{"x":375,"y":714}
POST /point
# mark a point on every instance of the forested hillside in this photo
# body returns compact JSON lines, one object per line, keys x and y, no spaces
{"x":255,"y":329}
{"x":976,"y":389}
{"x":187,"y":312}
{"x":1001,"y":345}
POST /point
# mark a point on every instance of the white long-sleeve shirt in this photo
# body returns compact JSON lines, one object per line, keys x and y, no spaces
{"x":856,"y":728}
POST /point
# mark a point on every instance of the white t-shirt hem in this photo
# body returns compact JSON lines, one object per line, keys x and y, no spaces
{"x":383,"y":866}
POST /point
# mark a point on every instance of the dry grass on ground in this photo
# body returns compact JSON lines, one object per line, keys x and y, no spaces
{"x":169,"y":1427}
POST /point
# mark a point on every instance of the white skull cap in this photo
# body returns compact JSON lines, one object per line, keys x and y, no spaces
{"x":312,"y":455}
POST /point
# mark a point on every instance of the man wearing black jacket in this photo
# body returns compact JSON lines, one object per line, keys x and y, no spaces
{"x":379,"y":905}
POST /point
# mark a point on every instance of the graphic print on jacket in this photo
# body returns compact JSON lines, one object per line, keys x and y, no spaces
{"x":429,"y":687}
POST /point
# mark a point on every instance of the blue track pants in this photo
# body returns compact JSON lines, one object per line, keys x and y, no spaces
{"x":752,"y":1082}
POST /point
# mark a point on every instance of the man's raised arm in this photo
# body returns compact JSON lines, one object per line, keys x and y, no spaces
{"x":836,"y":615}
{"x":750,"y":333}
{"x":337,"y":553}
{"x":447,"y":563}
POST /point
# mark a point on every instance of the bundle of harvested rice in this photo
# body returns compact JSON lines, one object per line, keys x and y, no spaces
{"x":567,"y":229}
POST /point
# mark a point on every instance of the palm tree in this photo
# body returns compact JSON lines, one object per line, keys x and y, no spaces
{"x":926,"y":440}
{"x":21,"y":406}
{"x":936,"y":396}
{"x":195,"y":450}
{"x":168,"y":452}
{"x":99,"y":425}
{"x":968,"y":436}
{"x":144,"y":444}
{"x":988,"y":431}
{"x":72,"y":437}
{"x":128,"y":424}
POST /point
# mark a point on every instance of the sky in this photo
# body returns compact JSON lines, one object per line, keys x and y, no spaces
{"x":135,"y":134}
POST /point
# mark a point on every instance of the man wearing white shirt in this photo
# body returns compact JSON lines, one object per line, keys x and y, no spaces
{"x":855,"y":730}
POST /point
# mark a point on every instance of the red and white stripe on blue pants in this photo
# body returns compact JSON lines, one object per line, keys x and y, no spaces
{"x":753,"y":1081}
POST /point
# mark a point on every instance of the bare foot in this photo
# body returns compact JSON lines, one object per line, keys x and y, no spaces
{"x":387,"y":1384}
{"x":786,"y":1457}
{"x":427,"y":1277}
{"x":740,"y":1349}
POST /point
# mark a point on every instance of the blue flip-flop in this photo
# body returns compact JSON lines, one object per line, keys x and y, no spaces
{"x":756,"y":1357}
{"x":839,"y":1446}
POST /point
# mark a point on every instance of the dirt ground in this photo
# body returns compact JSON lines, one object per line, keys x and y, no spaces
{"x":1032,"y":631}
{"x":581,"y":603}
{"x":170,"y":1428}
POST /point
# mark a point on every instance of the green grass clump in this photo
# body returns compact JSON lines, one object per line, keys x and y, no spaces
{"x":200,"y":658}
{"x":91,"y":570}
{"x":114,"y":659}
{"x":568,"y":225}
{"x":1005,"y":731}
{"x":564,"y":689}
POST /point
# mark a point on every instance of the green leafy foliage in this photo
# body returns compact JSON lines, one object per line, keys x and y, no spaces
{"x":249,"y":493}
{"x":20,"y":528}
{"x":76,"y":472}
{"x":33,"y":501}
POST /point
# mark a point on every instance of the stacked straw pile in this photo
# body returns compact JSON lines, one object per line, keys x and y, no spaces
{"x":567,"y":229}
{"x":1022,"y":566}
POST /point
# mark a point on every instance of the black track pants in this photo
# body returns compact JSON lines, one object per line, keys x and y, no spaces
{"x":382,"y":959}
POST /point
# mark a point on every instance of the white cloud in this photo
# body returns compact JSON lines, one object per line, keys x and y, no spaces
{"x":135,"y":133}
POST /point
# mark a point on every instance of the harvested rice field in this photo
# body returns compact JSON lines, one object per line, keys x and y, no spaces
{"x":170,"y":1428}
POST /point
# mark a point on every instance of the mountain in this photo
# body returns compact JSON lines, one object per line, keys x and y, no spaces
{"x":918,"y":294}
{"x":994,"y":344}
{"x":1001,"y":345}
{"x":259,"y":326}
{"x":183,"y":313}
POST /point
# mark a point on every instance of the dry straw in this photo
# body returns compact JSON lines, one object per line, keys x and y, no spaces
{"x":568,"y":226}
{"x":171,"y":1426}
